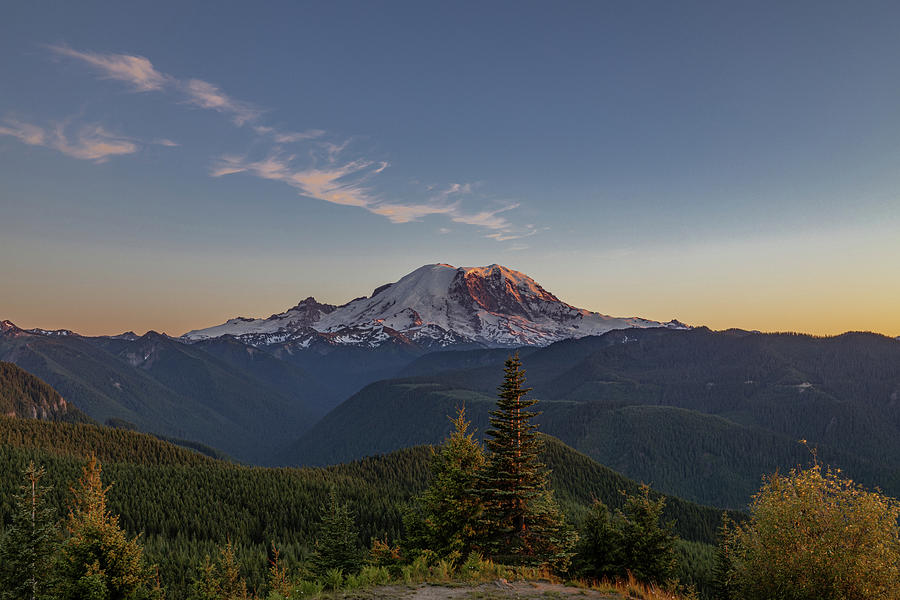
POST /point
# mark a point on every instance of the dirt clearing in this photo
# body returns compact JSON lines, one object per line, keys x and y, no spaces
{"x":497,"y":590}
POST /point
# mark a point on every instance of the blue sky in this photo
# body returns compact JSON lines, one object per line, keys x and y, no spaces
{"x":734,"y":164}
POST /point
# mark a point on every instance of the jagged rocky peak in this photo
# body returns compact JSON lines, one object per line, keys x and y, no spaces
{"x":8,"y":327}
{"x":128,"y":335}
{"x":435,"y":305}
{"x":498,"y":289}
{"x":308,"y":310}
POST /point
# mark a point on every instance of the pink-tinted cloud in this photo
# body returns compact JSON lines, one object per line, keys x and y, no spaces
{"x":338,"y":184}
{"x":206,"y":95}
{"x":92,"y":142}
{"x":137,"y":71}
{"x":346,"y":184}
{"x":329,"y":178}
{"x":142,"y":76}
{"x":289,"y":137}
{"x":26,"y":132}
{"x":88,"y":142}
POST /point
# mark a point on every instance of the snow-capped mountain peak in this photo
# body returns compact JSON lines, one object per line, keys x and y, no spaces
{"x":435,"y":305}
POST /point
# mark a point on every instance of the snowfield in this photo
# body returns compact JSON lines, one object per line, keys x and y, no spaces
{"x":434,"y":306}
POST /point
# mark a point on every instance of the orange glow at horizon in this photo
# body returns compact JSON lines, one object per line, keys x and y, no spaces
{"x":817,"y":284}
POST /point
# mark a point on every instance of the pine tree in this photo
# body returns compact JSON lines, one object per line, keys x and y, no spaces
{"x":599,"y":550}
{"x":447,"y":515}
{"x":98,"y":561}
{"x":220,"y":579}
{"x":522,"y":522}
{"x":27,"y":547}
{"x":336,"y":545}
{"x":722,"y":585}
{"x":279,"y":584}
{"x":648,"y":543}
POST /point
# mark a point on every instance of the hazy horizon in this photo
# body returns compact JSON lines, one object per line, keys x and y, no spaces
{"x":204,"y":318}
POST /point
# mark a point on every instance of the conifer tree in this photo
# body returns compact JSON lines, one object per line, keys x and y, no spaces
{"x":98,"y":561}
{"x":27,"y":547}
{"x":279,"y":584}
{"x":336,"y":545}
{"x":447,"y":515}
{"x":648,"y":543}
{"x":522,"y":522}
{"x":220,"y":579}
{"x":599,"y":549}
{"x":722,"y":569}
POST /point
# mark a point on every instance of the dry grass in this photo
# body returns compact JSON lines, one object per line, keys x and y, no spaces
{"x":474,"y":579}
{"x":503,"y":589}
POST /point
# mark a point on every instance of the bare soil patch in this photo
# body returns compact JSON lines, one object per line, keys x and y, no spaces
{"x":497,"y":590}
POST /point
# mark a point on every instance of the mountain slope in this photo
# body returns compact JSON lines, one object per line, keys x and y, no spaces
{"x":435,"y":306}
{"x":169,"y":388}
{"x":697,"y":413}
{"x":23,"y":395}
{"x":185,"y":504}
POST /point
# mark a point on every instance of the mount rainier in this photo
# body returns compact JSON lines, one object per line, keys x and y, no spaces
{"x":433,"y":307}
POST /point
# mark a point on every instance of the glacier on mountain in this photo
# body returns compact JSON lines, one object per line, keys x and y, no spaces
{"x":436,"y":305}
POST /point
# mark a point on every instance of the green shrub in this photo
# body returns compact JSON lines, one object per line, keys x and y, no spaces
{"x":443,"y":570}
{"x":635,"y":542}
{"x":371,"y":575}
{"x":813,"y":535}
{"x":308,"y":589}
{"x":334,"y":579}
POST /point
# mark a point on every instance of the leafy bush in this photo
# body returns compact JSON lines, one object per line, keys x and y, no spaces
{"x":813,"y":535}
{"x":333,"y":579}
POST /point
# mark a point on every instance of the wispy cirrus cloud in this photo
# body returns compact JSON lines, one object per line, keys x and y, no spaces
{"x":139,"y":73}
{"x":92,"y":142}
{"x":87,"y":142}
{"x":206,"y":95}
{"x":25,"y":132}
{"x":347,"y":184}
{"x":136,"y":71}
{"x":323,"y":173}
{"x":289,"y":137}
{"x":339,"y":184}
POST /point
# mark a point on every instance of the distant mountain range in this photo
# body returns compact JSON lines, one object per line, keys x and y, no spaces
{"x":699,"y":414}
{"x":251,"y":386}
{"x":225,"y":394}
{"x":435,"y":306}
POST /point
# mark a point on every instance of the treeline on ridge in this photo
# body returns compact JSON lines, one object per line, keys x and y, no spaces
{"x":186,"y":504}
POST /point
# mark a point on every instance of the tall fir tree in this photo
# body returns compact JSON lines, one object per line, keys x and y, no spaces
{"x":648,"y":542}
{"x":446,"y":517}
{"x":522,"y":523}
{"x":337,"y":545}
{"x":98,"y":561}
{"x":28,"y":546}
{"x":220,"y":579}
{"x":599,"y":550}
{"x":722,"y":569}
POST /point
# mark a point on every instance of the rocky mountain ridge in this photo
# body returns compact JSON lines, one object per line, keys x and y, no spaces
{"x":435,"y":306}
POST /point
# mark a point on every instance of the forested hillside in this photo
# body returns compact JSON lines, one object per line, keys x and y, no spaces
{"x":238,"y":399}
{"x":700,"y":414}
{"x":25,"y":396}
{"x":186,"y":504}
